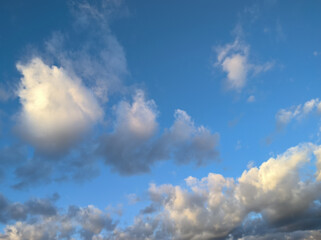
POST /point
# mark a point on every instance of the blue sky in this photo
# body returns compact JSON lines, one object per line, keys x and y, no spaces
{"x":160,"y":119}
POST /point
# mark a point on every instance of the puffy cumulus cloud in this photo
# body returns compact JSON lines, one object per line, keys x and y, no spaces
{"x":233,"y":59}
{"x":39,"y":219}
{"x":138,"y":121}
{"x":135,"y":145}
{"x":56,"y":108}
{"x":127,"y":148}
{"x":15,"y":211}
{"x":273,"y":200}
{"x":275,"y":189}
{"x":285,"y":116}
{"x":143,"y":228}
{"x":186,"y":143}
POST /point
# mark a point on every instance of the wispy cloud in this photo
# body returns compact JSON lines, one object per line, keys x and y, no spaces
{"x":285,"y":116}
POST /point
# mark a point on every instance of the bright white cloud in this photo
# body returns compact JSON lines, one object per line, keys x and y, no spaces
{"x":236,"y":68}
{"x":215,"y":206}
{"x":234,"y":61}
{"x":56,"y":108}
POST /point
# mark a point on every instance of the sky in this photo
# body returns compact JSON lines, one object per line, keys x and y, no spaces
{"x":156,"y":119}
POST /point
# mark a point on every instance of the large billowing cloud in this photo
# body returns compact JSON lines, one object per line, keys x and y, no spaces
{"x":134,"y":145}
{"x":56,"y":108}
{"x":275,"y":200}
{"x":218,"y":207}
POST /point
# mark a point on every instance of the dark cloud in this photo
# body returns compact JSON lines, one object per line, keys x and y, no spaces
{"x":13,"y":211}
{"x":40,"y":219}
{"x":135,"y":146}
{"x":79,"y":166}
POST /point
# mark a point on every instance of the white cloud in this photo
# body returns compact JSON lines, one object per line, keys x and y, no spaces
{"x":215,"y":206}
{"x":285,"y":116}
{"x":234,"y":60}
{"x":236,"y":68}
{"x":137,"y":120}
{"x":265,"y":202}
{"x":56,"y":108}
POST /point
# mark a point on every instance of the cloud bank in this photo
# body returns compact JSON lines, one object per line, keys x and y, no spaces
{"x":275,"y":200}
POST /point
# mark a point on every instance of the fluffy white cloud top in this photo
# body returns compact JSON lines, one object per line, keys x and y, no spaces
{"x":234,"y":60}
{"x":57,"y":109}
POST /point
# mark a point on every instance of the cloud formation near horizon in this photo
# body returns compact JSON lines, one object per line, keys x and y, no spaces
{"x":272,"y":200}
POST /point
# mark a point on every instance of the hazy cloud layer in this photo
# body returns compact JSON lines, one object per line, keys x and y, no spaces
{"x":135,"y":145}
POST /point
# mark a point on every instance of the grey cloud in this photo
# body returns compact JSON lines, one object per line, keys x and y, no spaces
{"x":149,"y":209}
{"x":14,"y":211}
{"x":32,"y":172}
{"x":81,"y":165}
{"x":296,"y":235}
{"x":135,"y":145}
{"x":41,"y":220}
